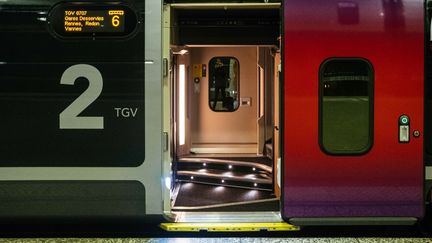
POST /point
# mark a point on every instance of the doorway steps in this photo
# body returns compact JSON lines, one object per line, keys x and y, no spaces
{"x":242,"y":172}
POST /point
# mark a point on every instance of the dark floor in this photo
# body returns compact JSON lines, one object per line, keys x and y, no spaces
{"x":201,"y":196}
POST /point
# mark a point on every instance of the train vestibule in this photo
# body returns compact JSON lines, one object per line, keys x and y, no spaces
{"x":223,"y":77}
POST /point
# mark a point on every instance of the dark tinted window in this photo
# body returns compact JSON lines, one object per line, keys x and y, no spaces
{"x":346,"y":106}
{"x":224,"y":84}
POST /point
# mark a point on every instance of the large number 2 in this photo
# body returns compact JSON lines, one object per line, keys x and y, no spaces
{"x":69,"y":118}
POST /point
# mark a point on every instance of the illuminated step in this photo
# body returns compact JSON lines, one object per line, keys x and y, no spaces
{"x":262,"y":165}
{"x":227,"y":178}
{"x":243,"y":172}
{"x":228,"y":227}
{"x":228,"y":183}
{"x":263,"y":178}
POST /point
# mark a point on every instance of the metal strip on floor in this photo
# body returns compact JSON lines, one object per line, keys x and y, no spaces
{"x":228,"y":227}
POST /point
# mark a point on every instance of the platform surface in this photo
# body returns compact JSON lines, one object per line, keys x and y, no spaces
{"x":215,"y":240}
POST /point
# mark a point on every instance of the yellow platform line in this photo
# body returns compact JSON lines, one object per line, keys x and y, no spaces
{"x":228,"y":227}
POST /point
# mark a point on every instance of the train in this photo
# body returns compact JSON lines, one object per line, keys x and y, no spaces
{"x":257,"y":112}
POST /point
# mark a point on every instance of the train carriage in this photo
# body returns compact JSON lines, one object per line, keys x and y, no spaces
{"x":262,"y":112}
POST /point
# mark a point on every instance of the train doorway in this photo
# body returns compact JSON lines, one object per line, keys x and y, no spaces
{"x":223,"y":71}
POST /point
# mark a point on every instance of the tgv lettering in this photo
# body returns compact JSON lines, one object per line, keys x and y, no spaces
{"x":126,"y":112}
{"x":70,"y":13}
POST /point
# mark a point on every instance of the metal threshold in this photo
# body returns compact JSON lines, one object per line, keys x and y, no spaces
{"x":226,"y":217}
{"x":228,"y":227}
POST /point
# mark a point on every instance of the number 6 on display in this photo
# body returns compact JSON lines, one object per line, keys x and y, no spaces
{"x":69,"y":118}
{"x":115,"y":21}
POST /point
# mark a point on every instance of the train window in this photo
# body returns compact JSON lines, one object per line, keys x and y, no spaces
{"x":224,"y":84}
{"x":346,"y":106}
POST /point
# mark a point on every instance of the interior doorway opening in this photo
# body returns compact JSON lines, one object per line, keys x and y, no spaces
{"x":224,"y":110}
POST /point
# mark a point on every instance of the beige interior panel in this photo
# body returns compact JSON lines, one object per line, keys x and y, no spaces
{"x":231,"y":128}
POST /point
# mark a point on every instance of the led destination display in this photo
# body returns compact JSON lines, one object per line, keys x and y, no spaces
{"x":94,"y":20}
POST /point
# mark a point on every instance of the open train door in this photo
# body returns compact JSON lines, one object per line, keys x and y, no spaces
{"x":81,"y":126}
{"x":353,"y":111}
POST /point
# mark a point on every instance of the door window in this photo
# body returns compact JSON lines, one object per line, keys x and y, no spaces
{"x":224,"y":84}
{"x":346,"y":106}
